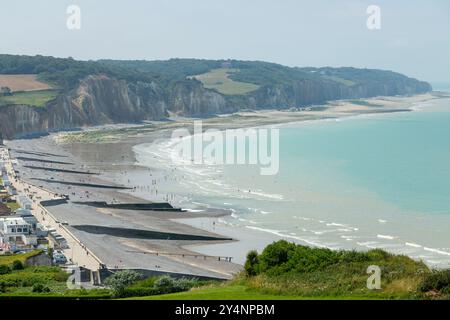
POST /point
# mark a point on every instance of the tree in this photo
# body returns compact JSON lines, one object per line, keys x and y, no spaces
{"x":251,"y":264}
{"x":5,"y":91}
{"x":276,"y":254}
{"x":50,"y":252}
{"x":4,"y":269}
{"x":121,"y":279}
{"x":17,"y":265}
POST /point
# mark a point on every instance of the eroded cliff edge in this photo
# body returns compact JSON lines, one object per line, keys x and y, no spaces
{"x":99,"y":99}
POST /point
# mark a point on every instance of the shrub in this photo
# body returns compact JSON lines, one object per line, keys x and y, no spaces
{"x":164,"y":284}
{"x":283,"y":257}
{"x":145,"y":283}
{"x":276,"y":254}
{"x":4,"y":269}
{"x":437,"y":280}
{"x":139,"y":292}
{"x":50,"y":253}
{"x":121,"y":279}
{"x":251,"y":264}
{"x":378,"y":254}
{"x":160,"y":285}
{"x":40,"y":288}
{"x":354,"y":256}
{"x":184,"y":284}
{"x":17,"y":265}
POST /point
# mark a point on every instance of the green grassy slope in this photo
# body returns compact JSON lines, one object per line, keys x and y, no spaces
{"x":31,"y":98}
{"x":289,"y":271}
{"x":9,"y":259}
{"x":218,"y":79}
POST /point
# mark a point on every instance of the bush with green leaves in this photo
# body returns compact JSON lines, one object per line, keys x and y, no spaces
{"x":40,"y":288}
{"x":251,"y":264}
{"x":164,"y":284}
{"x":121,"y":279}
{"x":17,"y":265}
{"x":284,"y":257}
{"x":184,"y":284}
{"x":4,"y":269}
{"x":31,"y":275}
{"x":436,"y":281}
{"x":167,"y":284}
{"x":161,"y":285}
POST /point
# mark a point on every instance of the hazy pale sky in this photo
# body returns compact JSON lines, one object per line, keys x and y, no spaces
{"x":414,"y":37}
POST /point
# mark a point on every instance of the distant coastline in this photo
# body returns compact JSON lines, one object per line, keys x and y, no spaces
{"x":74,"y":94}
{"x":129,"y":136}
{"x":256,"y":237}
{"x":107,"y":151}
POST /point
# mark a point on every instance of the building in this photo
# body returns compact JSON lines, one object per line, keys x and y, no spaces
{"x":17,"y":233}
{"x":25,"y":202}
{"x":26,"y":215}
{"x":11,"y":190}
{"x":6,"y":181}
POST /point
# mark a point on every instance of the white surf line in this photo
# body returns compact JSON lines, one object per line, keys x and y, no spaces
{"x":278,"y":233}
{"x":387,"y":237}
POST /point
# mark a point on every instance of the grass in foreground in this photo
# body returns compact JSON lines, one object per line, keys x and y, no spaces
{"x":17,"y":280}
{"x":289,"y":271}
{"x":226,"y":291}
{"x":234,"y":291}
{"x":283,"y":271}
{"x":30,"y":98}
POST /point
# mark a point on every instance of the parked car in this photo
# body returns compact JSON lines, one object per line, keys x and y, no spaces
{"x":59,"y":258}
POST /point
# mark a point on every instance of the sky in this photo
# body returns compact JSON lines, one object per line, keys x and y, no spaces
{"x":414,"y":35}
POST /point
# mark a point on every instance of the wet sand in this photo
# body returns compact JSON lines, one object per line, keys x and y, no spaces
{"x":121,"y":238}
{"x":108,"y":152}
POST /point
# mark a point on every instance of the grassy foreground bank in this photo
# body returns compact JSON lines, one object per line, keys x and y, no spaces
{"x":283,"y":271}
{"x":289,"y":271}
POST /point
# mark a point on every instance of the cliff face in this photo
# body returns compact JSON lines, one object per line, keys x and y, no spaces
{"x":99,"y":99}
{"x":307,"y":92}
{"x":190,"y":98}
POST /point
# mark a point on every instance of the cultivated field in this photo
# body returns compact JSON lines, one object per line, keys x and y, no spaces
{"x":31,"y":98}
{"x":26,"y":89}
{"x":219,"y":80}
{"x":22,"y":82}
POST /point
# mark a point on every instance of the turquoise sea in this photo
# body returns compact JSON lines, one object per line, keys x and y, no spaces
{"x":376,"y":181}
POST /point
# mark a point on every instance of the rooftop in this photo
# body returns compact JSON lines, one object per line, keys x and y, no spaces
{"x":13,"y":221}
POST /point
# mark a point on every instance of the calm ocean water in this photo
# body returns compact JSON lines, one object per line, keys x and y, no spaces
{"x":356,"y":183}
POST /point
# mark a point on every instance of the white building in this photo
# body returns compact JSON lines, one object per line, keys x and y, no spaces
{"x":27,"y":216}
{"x":25,"y":202}
{"x":17,"y":232}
